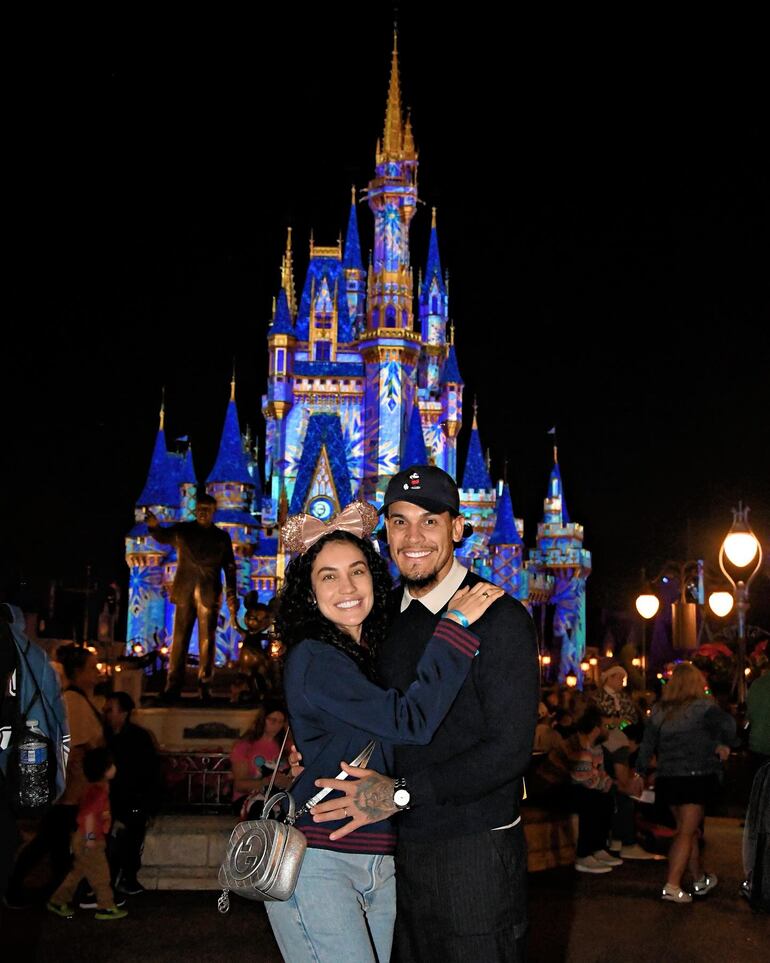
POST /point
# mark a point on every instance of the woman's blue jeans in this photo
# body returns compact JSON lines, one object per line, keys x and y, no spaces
{"x":342,"y":910}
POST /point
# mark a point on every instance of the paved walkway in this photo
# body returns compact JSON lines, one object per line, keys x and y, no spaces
{"x":616,"y":918}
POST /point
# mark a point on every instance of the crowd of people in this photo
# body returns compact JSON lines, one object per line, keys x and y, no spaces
{"x":93,"y":833}
{"x":440,"y":675}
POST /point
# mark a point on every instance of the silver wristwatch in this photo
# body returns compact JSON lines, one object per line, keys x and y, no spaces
{"x":401,"y":795}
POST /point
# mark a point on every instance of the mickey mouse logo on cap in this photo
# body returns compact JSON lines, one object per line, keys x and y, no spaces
{"x":414,"y":482}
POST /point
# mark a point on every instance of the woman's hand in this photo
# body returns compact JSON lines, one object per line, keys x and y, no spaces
{"x":283,"y":780}
{"x":473,"y":602}
{"x":295,"y":761}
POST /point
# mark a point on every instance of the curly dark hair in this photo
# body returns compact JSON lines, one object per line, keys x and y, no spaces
{"x":299,"y":618}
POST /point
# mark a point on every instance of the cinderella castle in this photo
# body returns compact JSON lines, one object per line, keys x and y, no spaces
{"x":363,"y":379}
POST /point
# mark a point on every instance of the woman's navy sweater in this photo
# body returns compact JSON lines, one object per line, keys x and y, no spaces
{"x":335,"y":710}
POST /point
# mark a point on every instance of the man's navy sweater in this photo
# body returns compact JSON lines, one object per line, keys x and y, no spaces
{"x":468,"y":778}
{"x":335,"y":710}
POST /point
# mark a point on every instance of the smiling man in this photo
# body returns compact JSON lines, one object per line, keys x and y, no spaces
{"x":461,"y":858}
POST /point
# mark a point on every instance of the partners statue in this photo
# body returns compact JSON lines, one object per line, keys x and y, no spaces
{"x":203,"y":550}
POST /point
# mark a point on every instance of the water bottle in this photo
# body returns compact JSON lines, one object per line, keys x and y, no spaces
{"x":33,"y":767}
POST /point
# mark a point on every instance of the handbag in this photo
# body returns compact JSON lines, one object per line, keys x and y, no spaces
{"x":264,"y":856}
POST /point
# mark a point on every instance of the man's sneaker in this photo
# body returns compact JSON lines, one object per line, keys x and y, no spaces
{"x":604,"y":857}
{"x":638,"y":852}
{"x":702,"y":886}
{"x":61,"y":909}
{"x":111,"y":913}
{"x":589,"y":864}
{"x":89,"y":902}
{"x":675,"y":895}
{"x":131,"y":887}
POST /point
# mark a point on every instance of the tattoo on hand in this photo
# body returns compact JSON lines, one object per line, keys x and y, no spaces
{"x":374,"y":797}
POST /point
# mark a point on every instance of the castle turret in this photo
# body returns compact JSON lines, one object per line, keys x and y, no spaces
{"x":477,"y":492}
{"x":560,"y":552}
{"x":451,"y":385}
{"x":355,"y":276}
{"x":278,"y":401}
{"x":145,"y":557}
{"x":434,"y":313}
{"x":389,"y":345}
{"x":507,"y":547}
{"x":232,"y":484}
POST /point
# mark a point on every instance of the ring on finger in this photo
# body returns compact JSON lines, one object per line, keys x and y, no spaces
{"x":485,"y":595}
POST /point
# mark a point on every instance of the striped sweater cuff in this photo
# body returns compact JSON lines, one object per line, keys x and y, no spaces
{"x":360,"y":841}
{"x":459,"y":638}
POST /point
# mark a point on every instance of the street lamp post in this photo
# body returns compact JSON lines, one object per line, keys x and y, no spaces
{"x":741,"y":548}
{"x":647,"y":605}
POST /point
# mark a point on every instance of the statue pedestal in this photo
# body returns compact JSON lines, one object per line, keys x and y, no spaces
{"x":182,"y":729}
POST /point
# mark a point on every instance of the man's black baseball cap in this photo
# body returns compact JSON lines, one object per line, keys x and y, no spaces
{"x":425,"y":485}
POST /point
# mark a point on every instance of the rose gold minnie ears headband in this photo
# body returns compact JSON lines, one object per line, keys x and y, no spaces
{"x":301,"y":531}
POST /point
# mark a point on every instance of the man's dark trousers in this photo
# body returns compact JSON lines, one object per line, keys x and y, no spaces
{"x":478,"y":921}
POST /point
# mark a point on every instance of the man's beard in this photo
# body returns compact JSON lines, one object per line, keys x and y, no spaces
{"x":419,"y":583}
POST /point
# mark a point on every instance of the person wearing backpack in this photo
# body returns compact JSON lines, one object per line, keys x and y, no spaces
{"x":29,"y":691}
{"x":86,"y":732}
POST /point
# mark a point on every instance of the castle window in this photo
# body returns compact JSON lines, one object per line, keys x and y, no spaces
{"x":322,"y":351}
{"x":434,"y":305}
{"x":390,"y":316}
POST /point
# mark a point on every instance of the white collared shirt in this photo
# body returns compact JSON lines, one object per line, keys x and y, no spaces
{"x":434,"y":601}
{"x":437,"y":598}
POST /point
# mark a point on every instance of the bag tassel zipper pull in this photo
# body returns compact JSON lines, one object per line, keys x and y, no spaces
{"x":223,"y":903}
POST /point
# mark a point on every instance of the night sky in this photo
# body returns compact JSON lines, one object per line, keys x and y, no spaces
{"x":602,"y":195}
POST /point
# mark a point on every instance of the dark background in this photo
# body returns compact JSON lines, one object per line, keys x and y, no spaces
{"x":602,"y":197}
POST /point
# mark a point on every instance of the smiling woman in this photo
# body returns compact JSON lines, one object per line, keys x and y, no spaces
{"x":332,"y":618}
{"x":343,"y":586}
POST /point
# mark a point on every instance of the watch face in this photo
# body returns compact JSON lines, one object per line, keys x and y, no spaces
{"x":401,"y":797}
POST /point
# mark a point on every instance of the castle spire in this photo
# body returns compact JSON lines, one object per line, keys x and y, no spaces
{"x":433,"y":274}
{"x":163,"y":408}
{"x":352,"y":259}
{"x":160,"y":488}
{"x":409,"y":148}
{"x":415,"y":451}
{"x":393,"y":137}
{"x":476,"y":474}
{"x":287,"y":276}
{"x":232,"y":384}
{"x":231,"y":464}
{"x":281,"y":315}
{"x":506,"y":532}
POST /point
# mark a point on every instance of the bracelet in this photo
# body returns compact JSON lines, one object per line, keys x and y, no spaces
{"x":90,"y":835}
{"x":465,"y":622}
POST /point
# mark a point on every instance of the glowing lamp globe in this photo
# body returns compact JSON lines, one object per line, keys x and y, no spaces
{"x":741,"y":547}
{"x":721,"y":603}
{"x":584,"y":667}
{"x":571,"y":680}
{"x":647,"y":606}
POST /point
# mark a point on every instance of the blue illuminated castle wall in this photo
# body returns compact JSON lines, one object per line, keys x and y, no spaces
{"x":363,"y":380}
